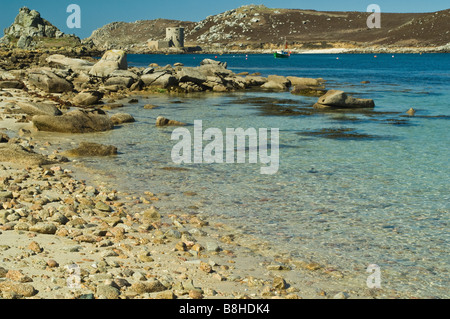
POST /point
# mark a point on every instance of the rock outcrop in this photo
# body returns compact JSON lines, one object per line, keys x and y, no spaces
{"x":29,"y":27}
{"x":111,"y":61}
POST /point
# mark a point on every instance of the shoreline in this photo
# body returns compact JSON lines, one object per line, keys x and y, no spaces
{"x":214,"y":261}
{"x":124,"y":245}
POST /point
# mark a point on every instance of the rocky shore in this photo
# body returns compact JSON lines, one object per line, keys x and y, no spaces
{"x":62,"y":236}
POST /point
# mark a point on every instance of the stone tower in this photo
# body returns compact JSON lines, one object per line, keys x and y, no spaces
{"x":176,"y":35}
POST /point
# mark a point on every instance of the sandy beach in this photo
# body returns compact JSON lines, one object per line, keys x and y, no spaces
{"x":65,"y":233}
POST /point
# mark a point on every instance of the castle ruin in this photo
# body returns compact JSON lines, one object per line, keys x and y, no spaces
{"x":174,"y":39}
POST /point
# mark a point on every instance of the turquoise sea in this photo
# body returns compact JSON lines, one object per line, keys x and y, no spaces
{"x":353,"y":188}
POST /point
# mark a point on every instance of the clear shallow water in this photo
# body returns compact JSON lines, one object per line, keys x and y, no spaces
{"x":379,"y":198}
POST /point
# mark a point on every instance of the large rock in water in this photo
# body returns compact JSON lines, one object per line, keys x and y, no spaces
{"x":111,"y":61}
{"x":339,"y":99}
{"x":49,"y":82}
{"x":77,"y":121}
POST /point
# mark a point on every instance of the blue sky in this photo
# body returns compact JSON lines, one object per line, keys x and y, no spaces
{"x":96,"y":13}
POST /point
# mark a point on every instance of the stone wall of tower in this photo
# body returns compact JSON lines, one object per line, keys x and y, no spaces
{"x":176,"y":35}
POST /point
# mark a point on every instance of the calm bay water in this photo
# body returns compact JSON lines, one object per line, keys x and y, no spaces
{"x":377,"y":196}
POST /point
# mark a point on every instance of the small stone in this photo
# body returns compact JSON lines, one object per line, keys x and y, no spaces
{"x":150,"y":106}
{"x":341,"y":295}
{"x":118,"y":232}
{"x":197,"y":247}
{"x":180,"y":246}
{"x":211,"y":246}
{"x":85,"y":239}
{"x":120,"y":282}
{"x":5,"y":195}
{"x":52,"y":263}
{"x":148,"y":287}
{"x":313,"y":266}
{"x":205,"y":267}
{"x":107,"y":292}
{"x":44,"y":228}
{"x":274,"y":267}
{"x":34,"y":246}
{"x":279,"y":283}
{"x":17,"y":275}
{"x":139,"y":276}
{"x":109,"y":253}
{"x":145,"y":257}
{"x":166,"y":295}
{"x":103,"y":207}
{"x":150,"y":215}
{"x":195,"y":294}
{"x":219,"y":277}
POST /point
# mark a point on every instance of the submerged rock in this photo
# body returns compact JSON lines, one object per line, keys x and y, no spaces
{"x":92,"y":149}
{"x":162,"y":121}
{"x":307,"y":91}
{"x":120,"y":118}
